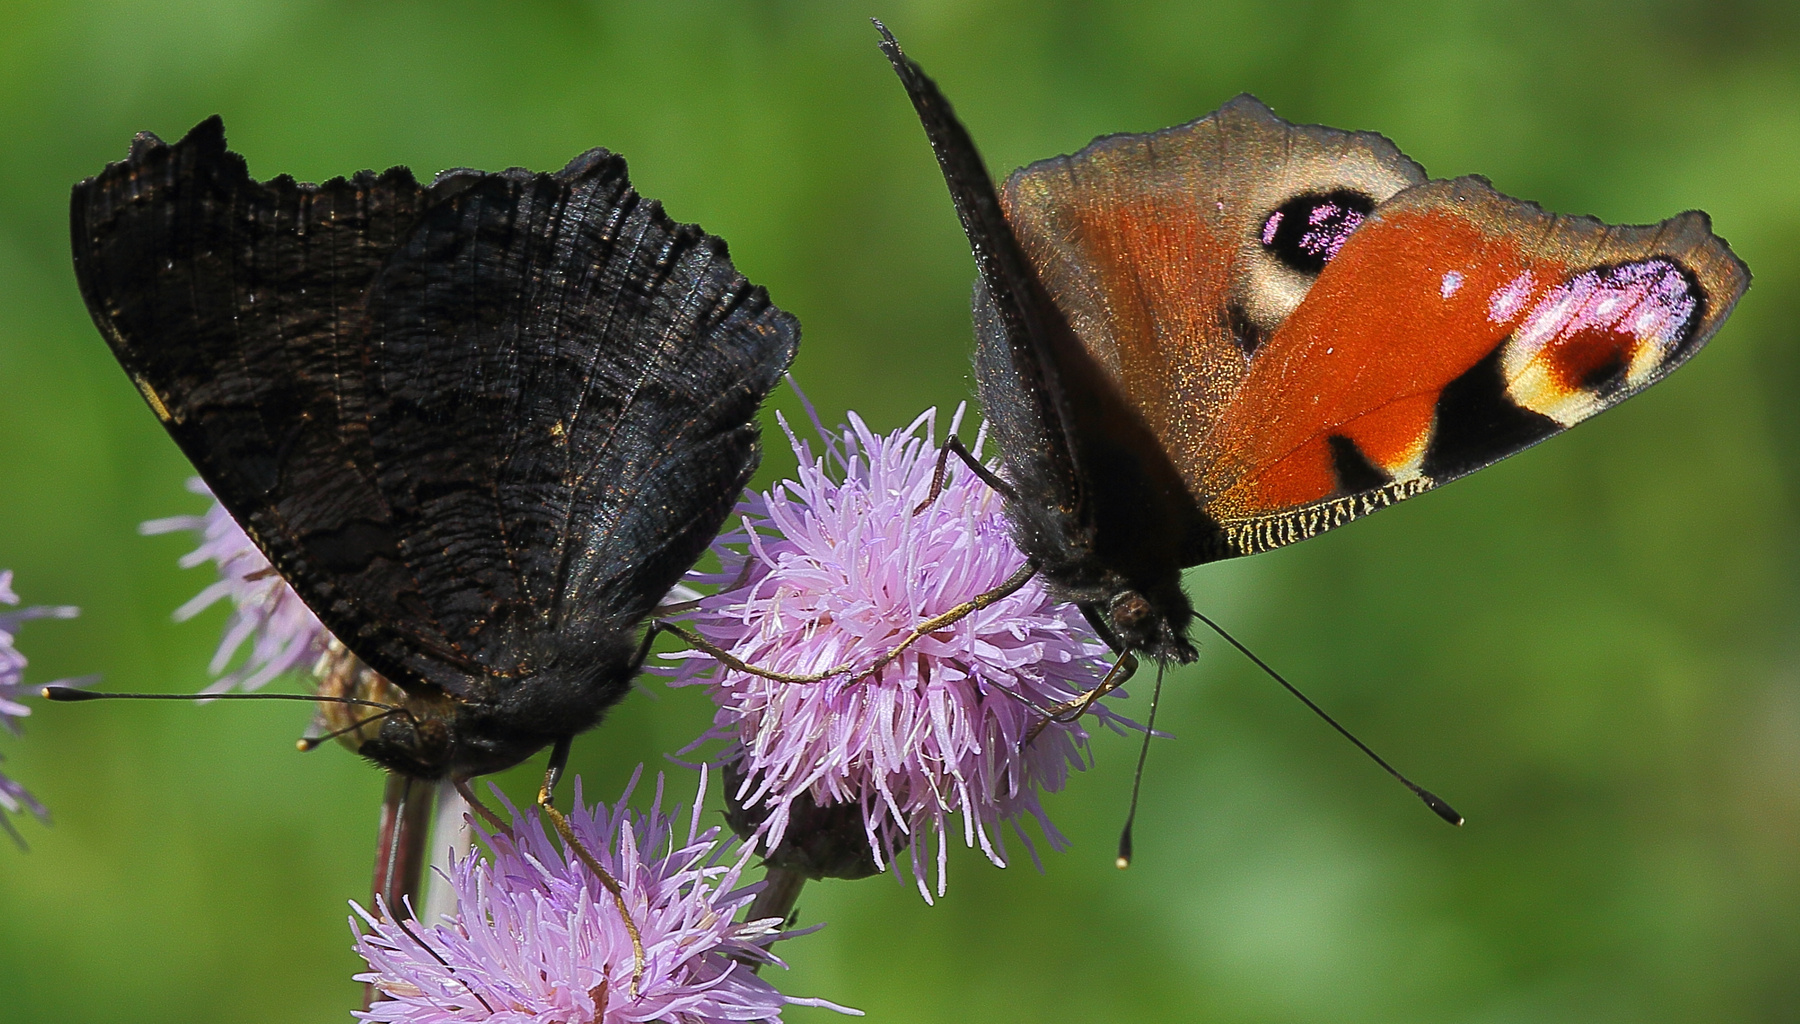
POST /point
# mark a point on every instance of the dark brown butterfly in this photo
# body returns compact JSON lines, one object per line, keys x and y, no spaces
{"x":480,"y":425}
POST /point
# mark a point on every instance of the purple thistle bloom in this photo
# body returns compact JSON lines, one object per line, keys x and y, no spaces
{"x":283,"y":632}
{"x":824,"y":572}
{"x":14,"y":797}
{"x":536,"y":938}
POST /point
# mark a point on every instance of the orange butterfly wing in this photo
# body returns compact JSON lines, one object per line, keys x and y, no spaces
{"x":1297,"y":381}
{"x":1455,"y":327}
{"x":1150,"y":246}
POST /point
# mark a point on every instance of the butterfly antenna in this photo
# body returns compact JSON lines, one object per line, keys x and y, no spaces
{"x":73,"y":694}
{"x":1137,"y":781}
{"x":307,"y":743}
{"x":1432,"y":800}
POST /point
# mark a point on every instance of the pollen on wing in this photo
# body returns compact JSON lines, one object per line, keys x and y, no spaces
{"x":1595,"y":331}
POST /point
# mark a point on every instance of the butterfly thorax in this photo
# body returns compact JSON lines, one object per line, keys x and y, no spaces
{"x":1110,"y":536}
{"x":1145,"y":612}
{"x":501,"y":722}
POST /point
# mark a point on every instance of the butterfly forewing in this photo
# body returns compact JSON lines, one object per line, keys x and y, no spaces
{"x":1455,"y":327}
{"x":1244,"y":332}
{"x":473,"y":424}
{"x":236,"y":307}
{"x":1087,"y":470}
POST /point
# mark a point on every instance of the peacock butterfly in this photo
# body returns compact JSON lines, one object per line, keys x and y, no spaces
{"x":1237,"y":333}
{"x":480,"y":425}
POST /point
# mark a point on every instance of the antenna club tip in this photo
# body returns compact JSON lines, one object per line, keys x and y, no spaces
{"x":304,"y":745}
{"x":1122,"y":863}
{"x":64,"y":693}
{"x":1440,"y":808}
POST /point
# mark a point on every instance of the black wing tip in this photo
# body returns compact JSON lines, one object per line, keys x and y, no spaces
{"x":208,"y":135}
{"x":890,"y":47}
{"x":598,"y":162}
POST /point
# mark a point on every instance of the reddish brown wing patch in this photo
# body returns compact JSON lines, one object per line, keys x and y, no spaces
{"x":1365,"y":356}
{"x":1152,"y":246}
{"x":1160,"y":272}
{"x":1455,"y":327}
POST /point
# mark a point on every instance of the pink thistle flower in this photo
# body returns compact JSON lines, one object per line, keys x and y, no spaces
{"x":14,"y":797}
{"x":536,"y":938}
{"x":826,"y":571}
{"x":283,"y":632}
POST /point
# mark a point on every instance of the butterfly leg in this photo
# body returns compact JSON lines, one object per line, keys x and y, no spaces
{"x":962,"y":611}
{"x":954,"y":445}
{"x":494,"y":821}
{"x":435,"y":955}
{"x":559,"y":759}
{"x":918,"y":632}
{"x":1075,"y":707}
{"x":735,"y":663}
{"x":1102,"y":628}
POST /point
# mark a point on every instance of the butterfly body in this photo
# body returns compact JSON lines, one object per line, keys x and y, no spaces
{"x":480,"y":425}
{"x":1237,"y":333}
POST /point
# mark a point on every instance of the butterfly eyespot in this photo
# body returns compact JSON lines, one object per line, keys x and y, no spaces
{"x":1607,"y":328}
{"x":1308,"y":230}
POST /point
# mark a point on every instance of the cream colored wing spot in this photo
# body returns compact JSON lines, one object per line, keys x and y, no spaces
{"x":1268,"y":287}
{"x":1410,"y":465}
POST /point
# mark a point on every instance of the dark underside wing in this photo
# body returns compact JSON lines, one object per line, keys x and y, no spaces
{"x":481,"y":425}
{"x":1098,"y":508}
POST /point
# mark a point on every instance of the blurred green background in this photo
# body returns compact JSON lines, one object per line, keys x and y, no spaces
{"x":1591,"y":649}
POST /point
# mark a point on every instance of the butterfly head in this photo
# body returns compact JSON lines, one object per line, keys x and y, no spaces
{"x":1155,"y":625}
{"x":421,"y":740}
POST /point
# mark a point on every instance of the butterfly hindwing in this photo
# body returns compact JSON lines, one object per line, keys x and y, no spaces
{"x":1154,"y":246}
